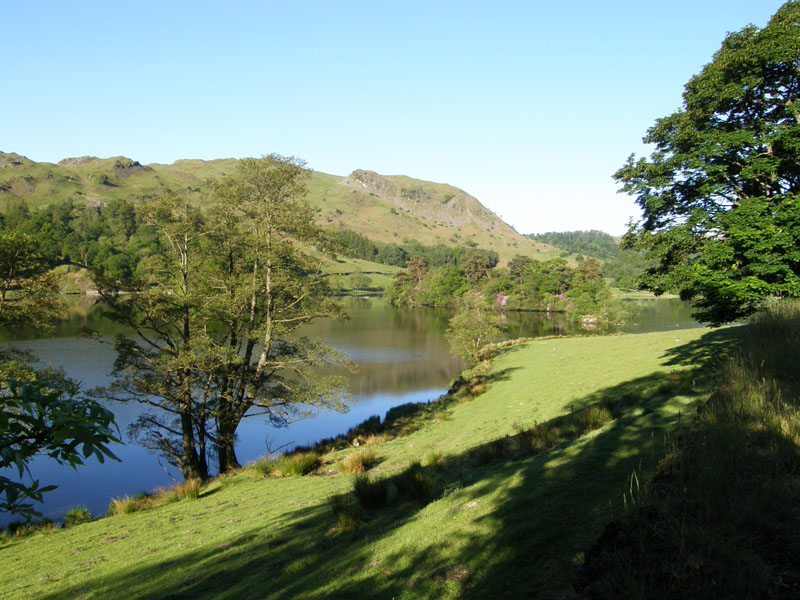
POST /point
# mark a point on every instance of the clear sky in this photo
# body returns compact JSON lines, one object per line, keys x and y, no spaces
{"x":529,"y":106}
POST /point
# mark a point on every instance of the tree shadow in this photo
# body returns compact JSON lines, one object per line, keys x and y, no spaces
{"x":512,"y":526}
{"x":707,"y":351}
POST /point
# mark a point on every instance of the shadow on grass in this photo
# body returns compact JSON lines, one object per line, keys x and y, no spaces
{"x":514,"y":526}
{"x":707,"y":351}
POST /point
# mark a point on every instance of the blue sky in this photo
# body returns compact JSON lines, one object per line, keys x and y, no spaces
{"x":529,"y":106}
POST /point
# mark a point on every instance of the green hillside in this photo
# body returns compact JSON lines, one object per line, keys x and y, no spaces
{"x":507,"y":513}
{"x":384,"y":208}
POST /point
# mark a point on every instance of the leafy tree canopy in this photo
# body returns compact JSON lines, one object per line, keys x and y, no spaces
{"x":719,"y":195}
{"x":594,"y":243}
{"x":40,"y":413}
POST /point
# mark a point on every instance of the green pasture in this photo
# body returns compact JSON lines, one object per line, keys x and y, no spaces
{"x":497,"y":523}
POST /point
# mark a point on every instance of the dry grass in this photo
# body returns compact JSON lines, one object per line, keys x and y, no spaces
{"x":358,"y":461}
{"x":124,"y":506}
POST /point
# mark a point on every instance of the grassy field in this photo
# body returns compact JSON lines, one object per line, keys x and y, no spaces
{"x":344,"y":270}
{"x":720,"y":518}
{"x":489,"y":518}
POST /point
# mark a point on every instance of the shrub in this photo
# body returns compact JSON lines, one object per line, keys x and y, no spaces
{"x":297,"y":464}
{"x":371,"y":425}
{"x":76,"y":516}
{"x":409,"y":409}
{"x":371,"y":494}
{"x":478,"y":389}
{"x":344,"y":512}
{"x":358,"y":461}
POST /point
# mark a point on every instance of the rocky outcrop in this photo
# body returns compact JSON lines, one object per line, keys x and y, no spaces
{"x":77,"y":161}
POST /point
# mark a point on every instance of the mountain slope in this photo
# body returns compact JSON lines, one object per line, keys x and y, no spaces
{"x":392,"y":208}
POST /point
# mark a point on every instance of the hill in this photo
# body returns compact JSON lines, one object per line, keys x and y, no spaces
{"x":594,"y":243}
{"x":506,"y":514}
{"x":384,"y":208}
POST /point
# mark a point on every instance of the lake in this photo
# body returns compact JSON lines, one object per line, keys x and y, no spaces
{"x":401,"y":355}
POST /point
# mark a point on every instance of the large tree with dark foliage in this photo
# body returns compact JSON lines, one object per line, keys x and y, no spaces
{"x":40,"y":411}
{"x":719,"y":195}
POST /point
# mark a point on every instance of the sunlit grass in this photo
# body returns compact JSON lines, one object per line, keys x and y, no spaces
{"x":441,"y":522}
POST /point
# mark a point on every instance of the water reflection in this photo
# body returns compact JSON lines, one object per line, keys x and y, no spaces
{"x":401,"y":355}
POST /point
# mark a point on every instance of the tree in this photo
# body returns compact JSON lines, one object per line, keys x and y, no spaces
{"x":719,"y":195}
{"x":360,"y":280}
{"x":271,"y":288}
{"x":40,"y":413}
{"x":28,"y":290}
{"x":417,"y":269}
{"x":215,"y":311}
{"x":475,"y":268}
{"x":162,"y":366}
{"x":45,"y":418}
{"x":471,"y":328}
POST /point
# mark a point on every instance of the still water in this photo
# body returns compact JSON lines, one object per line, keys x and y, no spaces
{"x":401,"y":355}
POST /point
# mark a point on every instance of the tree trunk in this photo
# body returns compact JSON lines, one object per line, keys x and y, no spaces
{"x":226,"y":453}
{"x":193,"y":466}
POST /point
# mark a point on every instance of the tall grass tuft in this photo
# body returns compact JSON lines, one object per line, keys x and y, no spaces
{"x":413,"y":483}
{"x":264,"y":466}
{"x":300,"y":463}
{"x":592,"y":417}
{"x":371,"y":494}
{"x":344,"y":513}
{"x":358,"y":461}
{"x":76,"y":516}
{"x":435,"y":459}
{"x":189,"y":489}
{"x":122,"y":506}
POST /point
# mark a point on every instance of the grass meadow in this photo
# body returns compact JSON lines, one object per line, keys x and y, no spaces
{"x":495,"y":493}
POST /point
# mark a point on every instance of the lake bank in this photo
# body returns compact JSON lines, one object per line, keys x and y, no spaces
{"x":494,"y":525}
{"x":402,"y":357}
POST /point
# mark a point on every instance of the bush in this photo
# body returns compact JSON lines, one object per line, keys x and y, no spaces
{"x":76,"y":516}
{"x":358,"y":461}
{"x":371,"y":494}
